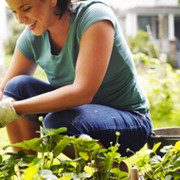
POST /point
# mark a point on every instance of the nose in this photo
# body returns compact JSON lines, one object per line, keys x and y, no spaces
{"x":21,"y":17}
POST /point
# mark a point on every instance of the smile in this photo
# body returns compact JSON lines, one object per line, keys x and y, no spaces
{"x":32,"y":26}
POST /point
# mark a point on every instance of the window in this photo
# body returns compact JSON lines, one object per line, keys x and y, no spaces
{"x":143,"y":21}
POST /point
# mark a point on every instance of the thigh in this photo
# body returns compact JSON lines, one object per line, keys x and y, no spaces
{"x":23,"y":87}
{"x":102,"y":123}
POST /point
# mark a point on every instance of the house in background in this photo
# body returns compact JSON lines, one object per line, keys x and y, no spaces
{"x":160,"y":18}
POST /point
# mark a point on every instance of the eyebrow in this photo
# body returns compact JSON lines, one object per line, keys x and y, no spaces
{"x":23,"y":5}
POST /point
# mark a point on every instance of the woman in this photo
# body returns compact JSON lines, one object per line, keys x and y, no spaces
{"x":93,"y":87}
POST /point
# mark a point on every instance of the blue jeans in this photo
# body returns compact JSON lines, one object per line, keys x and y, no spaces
{"x":98,"y":121}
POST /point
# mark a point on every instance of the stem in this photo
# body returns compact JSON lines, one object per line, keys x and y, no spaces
{"x":76,"y":155}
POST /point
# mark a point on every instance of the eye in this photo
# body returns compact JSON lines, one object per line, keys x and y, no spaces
{"x":13,"y":11}
{"x":26,"y":9}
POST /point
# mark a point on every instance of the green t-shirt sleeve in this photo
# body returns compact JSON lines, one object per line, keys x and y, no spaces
{"x":24,"y":44}
{"x":92,"y":14}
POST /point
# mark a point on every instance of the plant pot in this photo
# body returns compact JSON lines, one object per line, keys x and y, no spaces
{"x":167,"y":136}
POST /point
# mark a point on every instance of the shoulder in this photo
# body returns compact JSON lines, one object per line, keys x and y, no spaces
{"x":90,"y":12}
{"x":94,"y":8}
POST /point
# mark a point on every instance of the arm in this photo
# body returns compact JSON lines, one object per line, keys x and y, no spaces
{"x":94,"y":55}
{"x":19,"y":65}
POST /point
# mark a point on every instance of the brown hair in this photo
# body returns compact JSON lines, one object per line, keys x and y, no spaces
{"x":63,"y":6}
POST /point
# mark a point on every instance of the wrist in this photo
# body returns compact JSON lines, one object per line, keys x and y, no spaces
{"x":15,"y":107}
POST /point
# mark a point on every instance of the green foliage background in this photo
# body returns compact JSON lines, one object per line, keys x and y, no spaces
{"x":162,"y":85}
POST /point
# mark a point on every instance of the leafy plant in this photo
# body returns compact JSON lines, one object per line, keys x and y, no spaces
{"x":51,"y":165}
{"x":165,"y":167}
{"x":162,"y":86}
{"x":141,"y":43}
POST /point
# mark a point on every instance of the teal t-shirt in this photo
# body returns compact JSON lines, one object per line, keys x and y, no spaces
{"x":120,"y":88}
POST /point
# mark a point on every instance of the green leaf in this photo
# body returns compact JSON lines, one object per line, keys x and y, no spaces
{"x":23,"y":163}
{"x":157,"y":170}
{"x":30,"y":172}
{"x":177,"y":177}
{"x":119,"y":173}
{"x":96,"y":149}
{"x":51,"y":132}
{"x":84,"y":155}
{"x":1,"y":158}
{"x":113,"y":155}
{"x":113,"y":148}
{"x":66,"y":176}
{"x":156,"y":146}
{"x":61,"y":146}
{"x":156,"y":159}
{"x":28,"y":145}
{"x":166,"y":157}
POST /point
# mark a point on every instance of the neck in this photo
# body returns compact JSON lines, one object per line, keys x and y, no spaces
{"x":58,"y":33}
{"x":60,"y":26}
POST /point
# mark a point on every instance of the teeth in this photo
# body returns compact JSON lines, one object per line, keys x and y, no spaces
{"x":31,"y":24}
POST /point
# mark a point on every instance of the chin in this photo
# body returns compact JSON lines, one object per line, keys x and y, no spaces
{"x":38,"y":33}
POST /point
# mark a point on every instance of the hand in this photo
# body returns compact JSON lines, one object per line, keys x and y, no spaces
{"x":7,"y":112}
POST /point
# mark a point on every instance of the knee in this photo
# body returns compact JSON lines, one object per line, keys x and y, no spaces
{"x":16,"y":82}
{"x":51,"y":121}
{"x":16,"y":85}
{"x":59,"y":120}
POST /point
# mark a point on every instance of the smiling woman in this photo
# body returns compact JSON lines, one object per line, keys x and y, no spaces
{"x":35,"y":14}
{"x":93,"y":87}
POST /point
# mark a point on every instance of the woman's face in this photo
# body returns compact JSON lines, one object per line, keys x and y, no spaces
{"x":37,"y":14}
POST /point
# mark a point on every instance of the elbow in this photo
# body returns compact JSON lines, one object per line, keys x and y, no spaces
{"x":87,"y":99}
{"x":83,"y":95}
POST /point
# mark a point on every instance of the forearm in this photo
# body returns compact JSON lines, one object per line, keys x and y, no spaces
{"x":57,"y":100}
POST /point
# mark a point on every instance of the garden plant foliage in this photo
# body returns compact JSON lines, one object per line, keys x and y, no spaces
{"x":159,"y":79}
{"x":162,"y":85}
{"x":164,"y":167}
{"x":50,"y":165}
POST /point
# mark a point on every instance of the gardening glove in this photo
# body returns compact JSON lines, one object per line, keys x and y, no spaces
{"x":7,"y":112}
